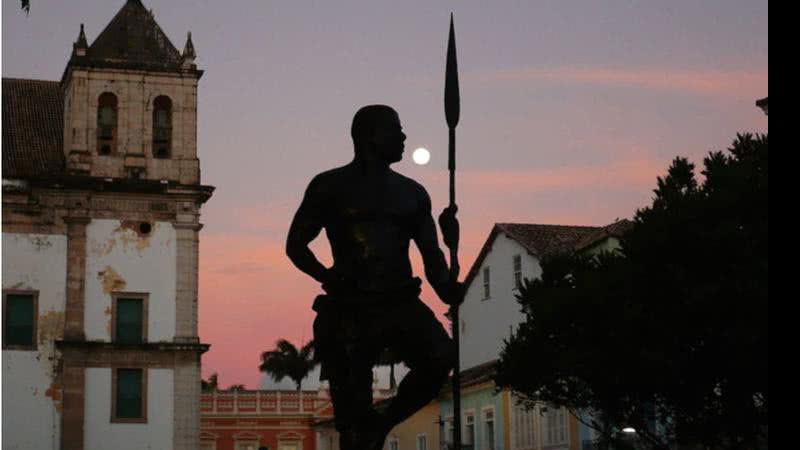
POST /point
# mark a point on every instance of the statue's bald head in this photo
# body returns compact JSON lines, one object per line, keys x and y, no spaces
{"x":368,"y":119}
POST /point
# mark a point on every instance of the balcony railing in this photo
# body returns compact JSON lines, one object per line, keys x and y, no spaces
{"x":261,"y":402}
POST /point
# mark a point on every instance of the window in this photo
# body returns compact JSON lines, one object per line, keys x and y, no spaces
{"x":449,"y":432}
{"x":162,"y":127}
{"x":422,"y":442}
{"x":517,"y":271}
{"x":488,"y":429}
{"x":130,"y":318}
{"x":394,"y":444}
{"x":556,"y":426}
{"x":469,"y":429}
{"x":523,"y":427}
{"x":20,"y":311}
{"x":487,"y":291}
{"x":107,"y":124}
{"x":129,"y":397}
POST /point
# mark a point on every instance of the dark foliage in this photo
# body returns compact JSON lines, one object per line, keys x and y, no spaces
{"x":668,"y":335}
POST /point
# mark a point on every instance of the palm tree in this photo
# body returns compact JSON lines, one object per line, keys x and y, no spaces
{"x":210,"y":385}
{"x":285,"y":360}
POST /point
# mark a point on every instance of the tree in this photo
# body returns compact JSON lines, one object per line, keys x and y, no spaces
{"x":211,"y":385}
{"x":286,"y":360}
{"x":237,"y":388}
{"x":668,"y":335}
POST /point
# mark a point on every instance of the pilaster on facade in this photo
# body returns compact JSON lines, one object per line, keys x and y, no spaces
{"x":76,"y":273}
{"x":187,"y":262}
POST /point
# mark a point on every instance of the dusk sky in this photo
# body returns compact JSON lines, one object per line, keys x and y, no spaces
{"x":569,"y":112}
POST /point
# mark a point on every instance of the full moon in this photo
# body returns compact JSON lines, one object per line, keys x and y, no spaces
{"x":421,"y":156}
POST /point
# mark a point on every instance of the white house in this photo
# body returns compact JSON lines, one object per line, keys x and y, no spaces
{"x":490,"y":313}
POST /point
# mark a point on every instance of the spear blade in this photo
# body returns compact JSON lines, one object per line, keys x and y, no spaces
{"x":452,"y":100}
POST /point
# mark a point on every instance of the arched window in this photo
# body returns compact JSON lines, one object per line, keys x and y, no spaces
{"x":107,"y":123}
{"x":162,"y":127}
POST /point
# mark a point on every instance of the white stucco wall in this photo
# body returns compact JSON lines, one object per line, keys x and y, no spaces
{"x":485,"y":323}
{"x":101,"y":434}
{"x":31,"y":402}
{"x":119,"y":260}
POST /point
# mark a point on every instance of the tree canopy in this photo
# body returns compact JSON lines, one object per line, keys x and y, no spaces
{"x":669,"y":334}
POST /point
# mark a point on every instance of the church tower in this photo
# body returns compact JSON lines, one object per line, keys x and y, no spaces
{"x":131,"y":102}
{"x":101,"y":227}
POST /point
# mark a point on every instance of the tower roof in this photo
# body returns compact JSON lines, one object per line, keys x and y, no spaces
{"x":132,"y":40}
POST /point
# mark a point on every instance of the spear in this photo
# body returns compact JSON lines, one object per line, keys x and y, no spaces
{"x":452,"y":109}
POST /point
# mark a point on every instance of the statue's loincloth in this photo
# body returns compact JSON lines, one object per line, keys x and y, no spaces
{"x":351,"y":331}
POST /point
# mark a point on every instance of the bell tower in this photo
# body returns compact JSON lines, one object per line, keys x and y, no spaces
{"x":130,"y":103}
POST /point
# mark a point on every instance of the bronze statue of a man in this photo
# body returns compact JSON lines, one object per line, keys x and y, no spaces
{"x":370,"y":214}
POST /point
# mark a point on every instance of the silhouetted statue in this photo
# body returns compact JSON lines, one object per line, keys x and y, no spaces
{"x":370,"y":214}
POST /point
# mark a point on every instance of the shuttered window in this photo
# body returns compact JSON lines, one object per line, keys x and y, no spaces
{"x":19,"y":320}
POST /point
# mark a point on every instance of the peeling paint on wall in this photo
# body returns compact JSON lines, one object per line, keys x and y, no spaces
{"x":135,"y":233}
{"x":54,"y":393}
{"x":51,"y":326}
{"x":111,"y":280}
{"x":102,"y":248}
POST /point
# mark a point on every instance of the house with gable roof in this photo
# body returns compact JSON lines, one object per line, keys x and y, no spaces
{"x":493,"y":420}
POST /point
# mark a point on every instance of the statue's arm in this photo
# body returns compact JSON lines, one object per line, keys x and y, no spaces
{"x":306,"y":226}
{"x":427,"y":241}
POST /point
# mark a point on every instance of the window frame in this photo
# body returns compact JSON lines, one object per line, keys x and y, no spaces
{"x":424,"y":438}
{"x":486,"y":443}
{"x":100,"y":140}
{"x":114,"y":384}
{"x":516,"y":264}
{"x":555,"y":427}
{"x":465,"y":423}
{"x":168,"y":141}
{"x":524,"y":426}
{"x":115,"y":296}
{"x":34,"y":339}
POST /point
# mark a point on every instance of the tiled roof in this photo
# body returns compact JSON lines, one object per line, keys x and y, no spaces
{"x":547,"y":240}
{"x":473,"y":376}
{"x":33,"y":128}
{"x":616,"y":229}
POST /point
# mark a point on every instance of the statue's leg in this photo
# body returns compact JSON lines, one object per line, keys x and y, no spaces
{"x":350,"y":380}
{"x":426,"y":348}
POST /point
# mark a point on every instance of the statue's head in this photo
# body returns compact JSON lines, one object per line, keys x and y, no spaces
{"x":377,"y":134}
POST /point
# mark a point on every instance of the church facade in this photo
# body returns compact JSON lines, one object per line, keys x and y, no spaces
{"x":101,"y":220}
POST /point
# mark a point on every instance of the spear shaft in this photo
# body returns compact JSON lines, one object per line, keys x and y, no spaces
{"x":452,"y":110}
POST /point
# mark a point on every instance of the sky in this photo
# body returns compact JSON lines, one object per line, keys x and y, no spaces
{"x":569,"y":112}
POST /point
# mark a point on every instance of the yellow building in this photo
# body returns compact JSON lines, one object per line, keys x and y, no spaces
{"x":419,"y":432}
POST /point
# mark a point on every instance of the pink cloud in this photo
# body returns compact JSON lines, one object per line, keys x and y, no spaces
{"x":251,"y":294}
{"x":736,"y":83}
